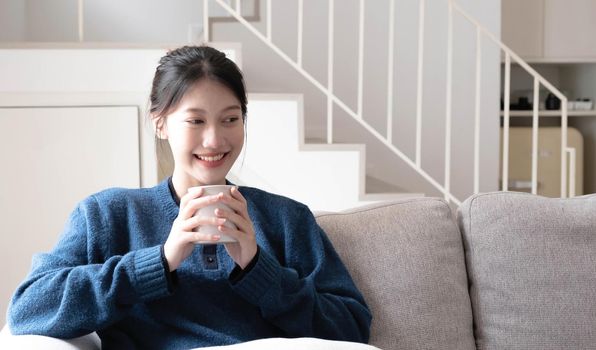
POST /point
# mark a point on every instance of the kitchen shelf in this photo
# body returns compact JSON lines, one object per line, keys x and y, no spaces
{"x":549,"y":113}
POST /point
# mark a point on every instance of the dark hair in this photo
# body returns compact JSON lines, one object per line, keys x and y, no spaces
{"x":179,"y":69}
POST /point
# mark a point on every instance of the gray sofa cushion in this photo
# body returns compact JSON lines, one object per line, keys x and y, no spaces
{"x":532,"y":268}
{"x":407,"y":259}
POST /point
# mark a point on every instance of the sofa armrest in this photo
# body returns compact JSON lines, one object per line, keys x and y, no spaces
{"x":9,"y":341}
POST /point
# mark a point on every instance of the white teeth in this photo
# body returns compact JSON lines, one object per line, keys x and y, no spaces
{"x":211,"y":159}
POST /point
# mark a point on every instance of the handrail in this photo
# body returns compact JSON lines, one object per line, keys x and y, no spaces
{"x":415,"y":164}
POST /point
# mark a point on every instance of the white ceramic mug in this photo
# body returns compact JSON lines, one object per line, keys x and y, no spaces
{"x":209,"y":211}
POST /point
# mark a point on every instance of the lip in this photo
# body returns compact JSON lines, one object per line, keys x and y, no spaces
{"x":214,"y":164}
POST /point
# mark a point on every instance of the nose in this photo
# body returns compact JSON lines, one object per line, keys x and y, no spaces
{"x":212,"y":137}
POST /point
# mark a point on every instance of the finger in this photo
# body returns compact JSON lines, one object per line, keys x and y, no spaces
{"x":231,"y":232}
{"x":198,"y":237}
{"x":239,"y":197}
{"x":195,"y":204}
{"x":236,"y":194}
{"x":196,"y":221}
{"x":241,"y":223}
{"x":236,"y":205}
{"x":193,"y":192}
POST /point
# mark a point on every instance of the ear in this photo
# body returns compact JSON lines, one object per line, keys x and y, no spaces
{"x":160,"y":127}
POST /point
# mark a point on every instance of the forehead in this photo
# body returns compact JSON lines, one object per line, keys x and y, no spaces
{"x":209,"y":92}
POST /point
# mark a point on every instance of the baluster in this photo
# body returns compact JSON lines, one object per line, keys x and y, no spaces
{"x":300,"y":30}
{"x":447,"y":186}
{"x":330,"y":74}
{"x":360,"y":57}
{"x":535,"y":137}
{"x":206,"y":21}
{"x":477,"y":111}
{"x":390,"y":62}
{"x":506,"y":97}
{"x":419,"y":83}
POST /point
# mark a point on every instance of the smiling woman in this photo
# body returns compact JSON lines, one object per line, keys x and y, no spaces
{"x":132,"y":265}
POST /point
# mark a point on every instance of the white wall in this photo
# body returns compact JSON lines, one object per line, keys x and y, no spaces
{"x":138,"y":21}
{"x":12,"y":20}
{"x":54,"y":20}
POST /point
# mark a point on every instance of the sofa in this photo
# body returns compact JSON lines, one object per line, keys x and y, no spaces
{"x":505,"y":270}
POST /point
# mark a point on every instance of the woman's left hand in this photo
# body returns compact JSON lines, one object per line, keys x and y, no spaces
{"x":243,"y":251}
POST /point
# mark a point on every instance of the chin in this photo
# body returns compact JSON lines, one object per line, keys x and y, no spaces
{"x":206,"y":181}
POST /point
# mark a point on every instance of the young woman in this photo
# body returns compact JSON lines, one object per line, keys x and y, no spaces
{"x":128,"y":264}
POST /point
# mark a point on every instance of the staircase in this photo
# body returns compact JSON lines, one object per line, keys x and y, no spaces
{"x":276,"y":159}
{"x":277,"y":176}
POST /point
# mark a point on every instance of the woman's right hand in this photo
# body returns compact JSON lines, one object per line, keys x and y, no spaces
{"x":182,"y":239}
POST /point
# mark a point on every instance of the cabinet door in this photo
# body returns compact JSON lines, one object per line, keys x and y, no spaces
{"x":570,"y":29}
{"x":522,"y":26}
{"x":51,"y":158}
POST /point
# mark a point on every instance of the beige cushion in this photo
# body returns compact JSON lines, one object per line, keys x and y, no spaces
{"x":532,"y":269}
{"x":407,"y":259}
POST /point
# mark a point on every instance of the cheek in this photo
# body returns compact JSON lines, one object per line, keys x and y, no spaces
{"x":239,"y":135}
{"x":181,"y":140}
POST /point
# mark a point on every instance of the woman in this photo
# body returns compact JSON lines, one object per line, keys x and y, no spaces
{"x":128,"y":264}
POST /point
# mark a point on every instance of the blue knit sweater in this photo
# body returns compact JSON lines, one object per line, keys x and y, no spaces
{"x":106,"y":274}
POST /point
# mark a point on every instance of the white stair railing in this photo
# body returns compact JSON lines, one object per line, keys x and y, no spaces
{"x":481,"y":32}
{"x":538,"y":80}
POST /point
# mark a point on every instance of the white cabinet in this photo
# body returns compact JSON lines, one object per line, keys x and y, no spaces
{"x":51,"y":158}
{"x":550,"y":30}
{"x":570,"y":29}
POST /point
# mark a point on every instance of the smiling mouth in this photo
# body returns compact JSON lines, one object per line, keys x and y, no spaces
{"x":213,"y":158}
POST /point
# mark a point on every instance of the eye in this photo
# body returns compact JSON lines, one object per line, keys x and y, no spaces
{"x":230,"y":120}
{"x":195,"y":121}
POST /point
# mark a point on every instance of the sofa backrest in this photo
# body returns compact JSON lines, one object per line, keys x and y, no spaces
{"x":532,"y":269}
{"x":407,"y":259}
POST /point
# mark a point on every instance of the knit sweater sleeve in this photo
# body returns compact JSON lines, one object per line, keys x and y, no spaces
{"x":70,"y":291}
{"x":309,"y":293}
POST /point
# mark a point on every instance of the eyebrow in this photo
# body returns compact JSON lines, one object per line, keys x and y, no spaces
{"x":202,"y":111}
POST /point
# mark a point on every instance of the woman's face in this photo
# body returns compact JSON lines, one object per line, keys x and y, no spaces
{"x":205,"y":133}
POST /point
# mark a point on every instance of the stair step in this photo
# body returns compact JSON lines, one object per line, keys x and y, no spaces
{"x":315,"y":140}
{"x":375,"y":185}
{"x":324,"y":176}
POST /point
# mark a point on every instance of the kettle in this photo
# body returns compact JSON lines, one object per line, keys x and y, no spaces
{"x":552,"y":102}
